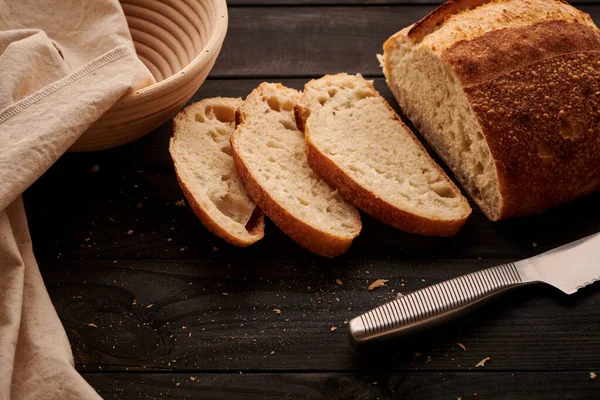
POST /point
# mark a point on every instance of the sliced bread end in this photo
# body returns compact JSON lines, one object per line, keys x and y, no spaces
{"x":201,"y":152}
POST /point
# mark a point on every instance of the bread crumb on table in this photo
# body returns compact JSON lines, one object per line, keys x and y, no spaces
{"x":130,"y":232}
{"x":377,"y":284}
{"x":95,"y":168}
{"x":593,"y":375}
{"x":333,"y":328}
{"x":462,"y":346}
{"x":482,"y":362}
{"x":93,"y":325}
{"x":180,"y":203}
{"x":277,"y":311}
{"x":339,"y":282}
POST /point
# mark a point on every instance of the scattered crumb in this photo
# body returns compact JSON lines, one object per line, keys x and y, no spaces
{"x":273,"y":352}
{"x":134,"y":302}
{"x":149,"y":305}
{"x":140,"y":205}
{"x":192,"y":378}
{"x":378,"y":283}
{"x":277,"y":311}
{"x":139,"y":171}
{"x":593,"y":375}
{"x":182,"y":249}
{"x":180,"y":203}
{"x":345,"y":322}
{"x":333,"y":328}
{"x":169,"y":239}
{"x":417,"y":354}
{"x":462,"y":346}
{"x":93,"y":325}
{"x":482,"y":362}
{"x":88,"y":239}
{"x":339,"y":282}
{"x":215,"y":248}
{"x":459,"y":398}
{"x":534,"y":244}
{"x":95,"y":168}
{"x":177,"y":384}
{"x":130,"y":232}
{"x":399,"y":295}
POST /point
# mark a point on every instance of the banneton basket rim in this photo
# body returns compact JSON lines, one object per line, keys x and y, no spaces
{"x":188,"y":72}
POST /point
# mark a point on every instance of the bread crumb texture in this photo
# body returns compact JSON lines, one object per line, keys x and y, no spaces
{"x":482,"y":362}
{"x":377,"y":284}
{"x":354,"y":127}
{"x":201,"y":151}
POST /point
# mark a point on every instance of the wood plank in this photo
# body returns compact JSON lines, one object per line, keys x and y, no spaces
{"x":209,"y":316}
{"x":312,"y":41}
{"x":414,"y":386}
{"x":70,"y":204}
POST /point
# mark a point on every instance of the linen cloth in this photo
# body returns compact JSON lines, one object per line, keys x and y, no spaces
{"x":63,"y":63}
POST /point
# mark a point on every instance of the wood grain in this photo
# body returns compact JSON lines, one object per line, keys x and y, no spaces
{"x":418,"y":386}
{"x":219,"y":315}
{"x":334,"y":39}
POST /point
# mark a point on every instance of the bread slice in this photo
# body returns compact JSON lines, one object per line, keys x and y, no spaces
{"x":358,"y":144}
{"x":269,"y":153}
{"x":499,"y":91}
{"x":201,"y":152}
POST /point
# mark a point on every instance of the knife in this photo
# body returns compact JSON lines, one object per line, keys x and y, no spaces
{"x":568,"y":268}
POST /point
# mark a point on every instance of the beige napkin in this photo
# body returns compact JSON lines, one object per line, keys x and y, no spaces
{"x":63,"y":63}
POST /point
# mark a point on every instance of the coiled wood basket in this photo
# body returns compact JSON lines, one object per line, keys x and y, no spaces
{"x":178,"y":40}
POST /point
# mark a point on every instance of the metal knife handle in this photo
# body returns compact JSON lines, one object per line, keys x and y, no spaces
{"x":432,"y":304}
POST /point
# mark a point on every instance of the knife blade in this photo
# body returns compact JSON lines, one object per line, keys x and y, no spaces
{"x":568,"y":268}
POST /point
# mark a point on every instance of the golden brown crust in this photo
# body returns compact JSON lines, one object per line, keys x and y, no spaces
{"x":309,"y":237}
{"x":368,"y":201}
{"x":434,"y":19}
{"x":504,"y":50}
{"x":542,"y":125}
{"x":255,"y":227}
{"x":437,"y":17}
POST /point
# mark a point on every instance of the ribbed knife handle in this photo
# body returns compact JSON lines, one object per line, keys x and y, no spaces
{"x":432,"y":304}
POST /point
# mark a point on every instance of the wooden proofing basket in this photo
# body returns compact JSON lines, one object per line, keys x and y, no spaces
{"x":179,"y":41}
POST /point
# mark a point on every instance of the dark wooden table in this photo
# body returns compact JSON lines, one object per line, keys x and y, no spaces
{"x":157,"y":307}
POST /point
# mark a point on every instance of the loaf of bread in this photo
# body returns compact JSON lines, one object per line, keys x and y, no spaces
{"x":269,"y":154}
{"x":507,"y":92}
{"x":201,"y":151}
{"x":357,"y":143}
